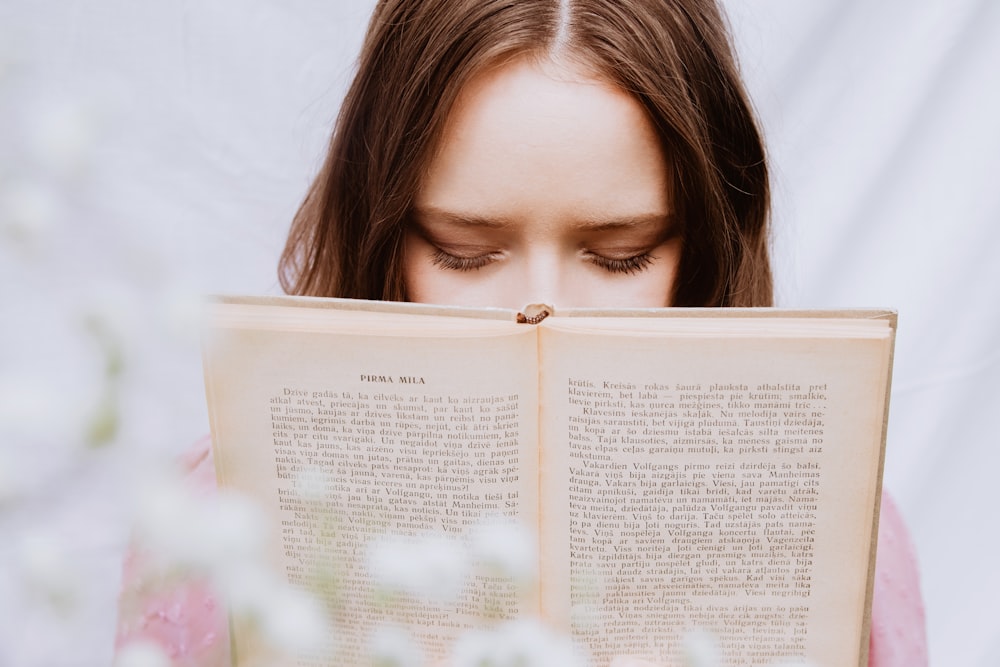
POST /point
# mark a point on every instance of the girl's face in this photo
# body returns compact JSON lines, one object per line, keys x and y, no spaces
{"x":549,"y":187}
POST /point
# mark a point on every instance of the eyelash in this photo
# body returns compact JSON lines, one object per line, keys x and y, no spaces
{"x":626,"y":266}
{"x":451,"y":262}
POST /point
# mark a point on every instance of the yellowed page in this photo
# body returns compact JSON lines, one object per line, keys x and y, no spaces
{"x":699,"y":480}
{"x":348,"y":430}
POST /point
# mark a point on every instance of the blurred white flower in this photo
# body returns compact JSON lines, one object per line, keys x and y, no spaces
{"x":113,"y":314}
{"x":224,"y":537}
{"x":63,"y":136}
{"x":295,"y":621}
{"x":141,"y":654}
{"x":507,"y":547}
{"x":700,"y":648}
{"x":586,"y":616}
{"x":212,"y":534}
{"x":433,"y":566}
{"x":28,"y":212}
{"x":248,"y":588}
{"x":169,"y":521}
{"x":105,"y":420}
{"x":311,"y":483}
{"x":519,"y":643}
{"x":25,"y":408}
{"x":392,"y":646}
{"x":236,"y":527}
{"x":47,"y":570}
{"x":46,"y":406}
{"x":291,"y":620}
{"x":182,"y":309}
{"x":587,"y":587}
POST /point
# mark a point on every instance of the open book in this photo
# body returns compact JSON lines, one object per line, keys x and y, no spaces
{"x":683,"y":468}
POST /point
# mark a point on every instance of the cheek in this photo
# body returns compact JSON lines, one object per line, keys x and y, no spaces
{"x":670,"y":259}
{"x":652,"y":288}
{"x":418,"y":270}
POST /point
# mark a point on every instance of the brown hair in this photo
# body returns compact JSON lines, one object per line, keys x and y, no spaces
{"x":673,"y":56}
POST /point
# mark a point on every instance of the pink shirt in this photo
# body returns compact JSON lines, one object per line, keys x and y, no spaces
{"x":188,"y":622}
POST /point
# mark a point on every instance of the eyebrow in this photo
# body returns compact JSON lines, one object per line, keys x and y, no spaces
{"x":595,"y":224}
{"x":434,"y":214}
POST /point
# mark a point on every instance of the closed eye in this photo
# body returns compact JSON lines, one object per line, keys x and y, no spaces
{"x":624,"y":265}
{"x":452,"y":262}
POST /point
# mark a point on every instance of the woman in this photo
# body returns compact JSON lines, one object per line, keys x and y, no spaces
{"x":575,"y":152}
{"x":672,"y":59}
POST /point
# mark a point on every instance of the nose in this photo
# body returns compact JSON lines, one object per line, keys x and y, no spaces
{"x":543,"y":280}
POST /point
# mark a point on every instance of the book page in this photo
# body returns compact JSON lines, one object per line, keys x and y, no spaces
{"x":347,"y":437}
{"x":712,"y":482}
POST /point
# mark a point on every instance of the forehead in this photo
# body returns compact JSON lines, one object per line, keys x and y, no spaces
{"x":547,"y":91}
{"x":538,"y":133}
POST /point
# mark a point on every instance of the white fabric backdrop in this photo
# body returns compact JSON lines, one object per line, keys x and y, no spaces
{"x":149,"y":151}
